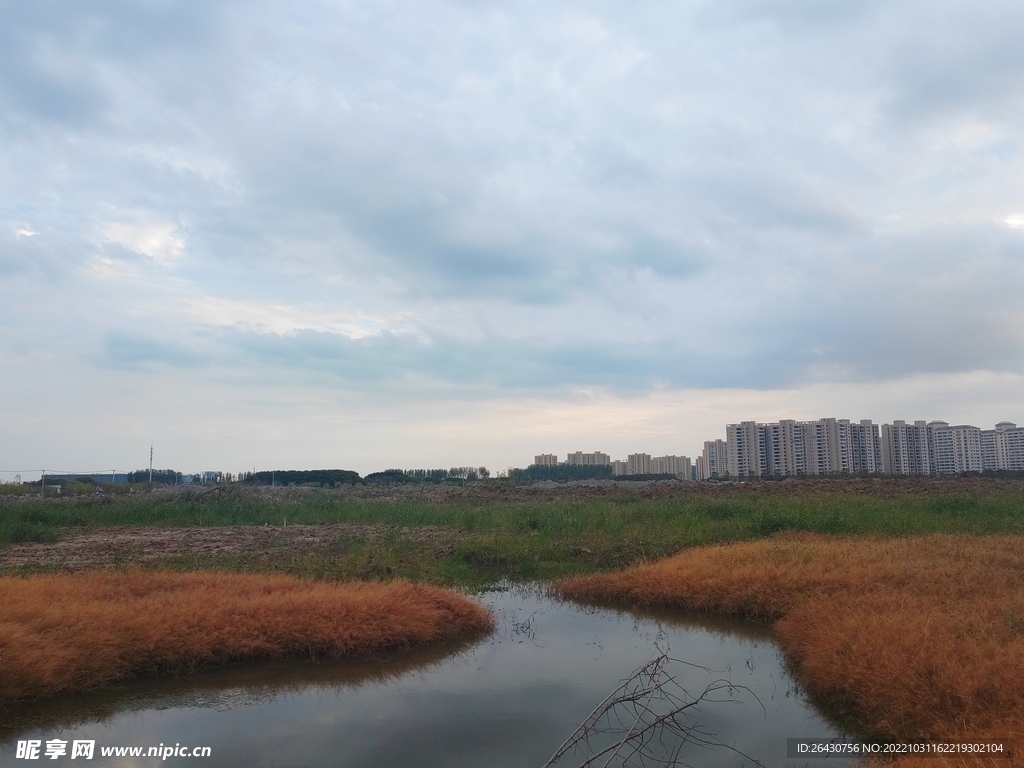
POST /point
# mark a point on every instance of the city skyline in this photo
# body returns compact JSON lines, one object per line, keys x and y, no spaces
{"x":828,"y":447}
{"x":696,"y":456}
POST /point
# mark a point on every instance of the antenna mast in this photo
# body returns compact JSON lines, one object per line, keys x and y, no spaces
{"x":150,"y":462}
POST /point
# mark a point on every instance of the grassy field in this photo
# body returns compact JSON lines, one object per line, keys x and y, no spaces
{"x":915,"y":586}
{"x":917,"y":637}
{"x":64,"y":632}
{"x":485,"y":536}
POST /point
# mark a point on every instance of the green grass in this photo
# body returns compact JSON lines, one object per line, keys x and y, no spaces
{"x":521,"y":540}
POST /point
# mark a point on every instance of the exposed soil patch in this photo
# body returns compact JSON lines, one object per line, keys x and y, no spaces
{"x":580,"y":490}
{"x":492,"y":490}
{"x":117,"y":546}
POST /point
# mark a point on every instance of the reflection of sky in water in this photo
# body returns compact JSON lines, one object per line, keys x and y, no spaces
{"x":509,"y":700}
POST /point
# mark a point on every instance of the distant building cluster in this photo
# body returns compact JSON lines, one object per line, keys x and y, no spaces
{"x":791,"y":448}
{"x":828,"y":446}
{"x":633,"y":464}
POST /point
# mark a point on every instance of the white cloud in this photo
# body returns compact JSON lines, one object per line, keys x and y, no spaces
{"x":157,"y":241}
{"x":283,"y":319}
{"x":107,"y":268}
{"x":703,"y":195}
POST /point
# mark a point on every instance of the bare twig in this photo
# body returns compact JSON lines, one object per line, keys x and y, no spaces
{"x":647,"y":719}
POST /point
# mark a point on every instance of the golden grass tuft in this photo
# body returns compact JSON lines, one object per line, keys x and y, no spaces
{"x":911,"y":638}
{"x":78,"y":631}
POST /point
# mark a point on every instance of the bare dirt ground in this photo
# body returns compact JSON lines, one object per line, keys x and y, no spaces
{"x":663,"y":489}
{"x":581,"y":490}
{"x":108,"y":547}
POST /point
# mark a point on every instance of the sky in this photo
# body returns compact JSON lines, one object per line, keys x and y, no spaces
{"x":442,"y":233}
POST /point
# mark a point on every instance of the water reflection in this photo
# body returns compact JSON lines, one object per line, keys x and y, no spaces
{"x":507,"y":700}
{"x":223,"y":688}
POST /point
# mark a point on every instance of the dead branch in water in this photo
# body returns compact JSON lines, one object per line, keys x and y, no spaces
{"x":648,"y":720}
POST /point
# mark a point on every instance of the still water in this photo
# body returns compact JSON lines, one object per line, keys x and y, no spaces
{"x":506,"y":700}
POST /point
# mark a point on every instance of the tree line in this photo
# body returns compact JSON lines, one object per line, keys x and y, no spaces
{"x":405,"y":476}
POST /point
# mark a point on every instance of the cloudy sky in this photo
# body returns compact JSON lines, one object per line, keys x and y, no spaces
{"x":370,"y":234}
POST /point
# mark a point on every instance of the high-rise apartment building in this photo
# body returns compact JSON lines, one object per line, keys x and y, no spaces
{"x":936,"y":448}
{"x":988,"y":449}
{"x":776,"y":444}
{"x":743,"y":449}
{"x":822,"y":452}
{"x":790,"y":448}
{"x":828,"y":446}
{"x":1003,"y":447}
{"x":679,"y":466}
{"x":1010,"y":446}
{"x":905,"y":448}
{"x":683,"y":467}
{"x":865,"y":447}
{"x":581,"y":459}
{"x":713,"y":461}
{"x":953,"y":449}
{"x":639,"y":463}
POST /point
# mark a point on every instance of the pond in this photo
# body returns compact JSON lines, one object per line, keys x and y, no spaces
{"x":507,"y":700}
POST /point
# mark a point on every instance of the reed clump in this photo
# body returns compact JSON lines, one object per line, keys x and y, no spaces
{"x":69,"y":632}
{"x":909,"y":638}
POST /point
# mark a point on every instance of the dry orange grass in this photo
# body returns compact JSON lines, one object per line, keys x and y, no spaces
{"x":71,"y":632}
{"x":911,"y":638}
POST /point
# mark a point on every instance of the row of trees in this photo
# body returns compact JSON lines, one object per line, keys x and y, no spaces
{"x":559,"y":473}
{"x":164,"y":476}
{"x":331,"y":477}
{"x":428,"y":475}
{"x":565,"y":472}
